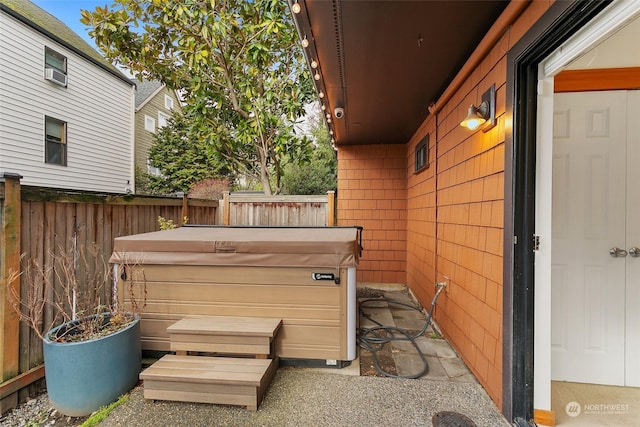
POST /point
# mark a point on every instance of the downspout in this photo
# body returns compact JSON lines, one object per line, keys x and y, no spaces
{"x":435,"y":183}
{"x":130,"y":188}
{"x":513,"y":10}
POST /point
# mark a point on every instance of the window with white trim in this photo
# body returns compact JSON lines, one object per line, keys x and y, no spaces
{"x":149,"y":123}
{"x":55,"y":141}
{"x":55,"y":67}
{"x":55,"y":60}
{"x":168,"y":102}
{"x":152,"y":170}
{"x":162,"y":119}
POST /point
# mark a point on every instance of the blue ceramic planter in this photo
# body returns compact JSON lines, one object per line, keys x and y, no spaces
{"x":84,"y":376}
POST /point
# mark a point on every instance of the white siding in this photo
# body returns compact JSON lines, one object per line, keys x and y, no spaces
{"x":97,"y":106}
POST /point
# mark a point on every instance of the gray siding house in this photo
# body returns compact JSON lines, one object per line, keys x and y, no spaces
{"x":155,"y":104}
{"x":66,"y":114}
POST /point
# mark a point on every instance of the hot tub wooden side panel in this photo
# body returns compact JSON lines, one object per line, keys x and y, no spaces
{"x":313,"y":312}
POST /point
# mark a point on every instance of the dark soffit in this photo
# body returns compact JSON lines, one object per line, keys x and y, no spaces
{"x":386,"y":61}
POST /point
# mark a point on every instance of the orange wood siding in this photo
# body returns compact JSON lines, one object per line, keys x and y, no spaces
{"x":446,"y":222}
{"x":372,"y":193}
{"x":598,"y":79}
{"x":456,"y":216}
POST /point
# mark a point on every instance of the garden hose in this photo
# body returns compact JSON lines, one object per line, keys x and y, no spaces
{"x":374,"y":339}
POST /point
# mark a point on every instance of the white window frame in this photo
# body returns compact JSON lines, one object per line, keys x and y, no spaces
{"x":50,"y":53}
{"x":152,"y":170}
{"x":149,"y":123}
{"x":168,"y":102}
{"x":163,"y":119}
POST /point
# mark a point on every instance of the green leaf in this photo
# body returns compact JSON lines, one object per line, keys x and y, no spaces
{"x":227,"y":57}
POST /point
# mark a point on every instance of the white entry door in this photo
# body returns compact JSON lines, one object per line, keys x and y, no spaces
{"x":595,"y":273}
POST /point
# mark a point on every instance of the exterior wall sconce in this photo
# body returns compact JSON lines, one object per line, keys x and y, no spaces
{"x":486,"y":112}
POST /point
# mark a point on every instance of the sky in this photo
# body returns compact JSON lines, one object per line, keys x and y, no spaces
{"x":68,"y":11}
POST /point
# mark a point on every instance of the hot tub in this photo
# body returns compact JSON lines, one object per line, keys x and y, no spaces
{"x":304,"y":276}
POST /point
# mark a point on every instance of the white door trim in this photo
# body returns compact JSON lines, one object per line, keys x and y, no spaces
{"x":542,"y":274}
{"x":607,"y":22}
{"x":597,"y":30}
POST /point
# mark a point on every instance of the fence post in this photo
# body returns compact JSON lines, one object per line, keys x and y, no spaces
{"x":226,"y":205}
{"x":185,"y":210}
{"x":9,"y":262}
{"x":331,"y":208}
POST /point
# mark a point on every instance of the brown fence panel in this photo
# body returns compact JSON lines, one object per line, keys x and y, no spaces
{"x":59,"y":221}
{"x":258,"y":209}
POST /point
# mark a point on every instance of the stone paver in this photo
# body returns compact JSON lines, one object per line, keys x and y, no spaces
{"x":436,"y":347}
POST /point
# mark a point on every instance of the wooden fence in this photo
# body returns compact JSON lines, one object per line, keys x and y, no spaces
{"x":38,"y":223}
{"x":258,"y":209}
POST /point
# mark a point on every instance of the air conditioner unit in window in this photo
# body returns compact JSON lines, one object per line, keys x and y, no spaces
{"x":55,"y":76}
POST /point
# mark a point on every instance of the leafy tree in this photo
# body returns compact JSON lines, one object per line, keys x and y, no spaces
{"x":237,"y":63}
{"x":320,"y":173}
{"x":210,"y":189}
{"x":143,"y":182}
{"x":182,"y":159}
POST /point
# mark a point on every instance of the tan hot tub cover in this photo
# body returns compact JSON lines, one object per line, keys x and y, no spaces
{"x":250,"y":246}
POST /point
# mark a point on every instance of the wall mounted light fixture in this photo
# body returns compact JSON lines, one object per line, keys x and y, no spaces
{"x":295,"y":7}
{"x":485,"y":113}
{"x":305,"y":42}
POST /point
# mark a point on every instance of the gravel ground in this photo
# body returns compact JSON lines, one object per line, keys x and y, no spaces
{"x":296,"y":397}
{"x":300,"y":397}
{"x":37,"y":412}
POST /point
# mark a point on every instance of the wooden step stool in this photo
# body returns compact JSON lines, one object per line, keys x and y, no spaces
{"x":222,"y":380}
{"x":203,"y":379}
{"x":219,"y":334}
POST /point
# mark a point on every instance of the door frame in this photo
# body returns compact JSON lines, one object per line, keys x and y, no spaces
{"x":558,"y":24}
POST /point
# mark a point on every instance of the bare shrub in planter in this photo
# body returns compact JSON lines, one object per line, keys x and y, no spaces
{"x":94,"y":354}
{"x":75,"y":284}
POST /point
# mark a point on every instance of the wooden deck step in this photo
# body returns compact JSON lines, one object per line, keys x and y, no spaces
{"x":230,"y":335}
{"x":203,"y":379}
